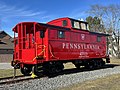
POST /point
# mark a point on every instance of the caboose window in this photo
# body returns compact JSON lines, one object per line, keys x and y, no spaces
{"x":83,"y":26}
{"x":42,"y":34}
{"x":79,"y":24}
{"x":98,"y":38}
{"x":64,"y":23}
{"x":61,"y":34}
{"x":75,"y":24}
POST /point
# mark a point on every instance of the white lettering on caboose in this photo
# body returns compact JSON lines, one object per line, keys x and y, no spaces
{"x":79,"y":46}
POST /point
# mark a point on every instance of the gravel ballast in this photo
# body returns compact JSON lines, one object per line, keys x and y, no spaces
{"x":61,"y":80}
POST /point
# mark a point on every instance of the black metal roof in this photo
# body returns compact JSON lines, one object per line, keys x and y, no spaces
{"x":53,"y":26}
{"x":5,"y":43}
{"x":101,"y":34}
{"x":3,"y":34}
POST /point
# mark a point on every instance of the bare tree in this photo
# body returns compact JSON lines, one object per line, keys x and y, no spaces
{"x":110,"y":18}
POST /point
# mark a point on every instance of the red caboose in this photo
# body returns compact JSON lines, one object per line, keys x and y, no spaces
{"x":45,"y":47}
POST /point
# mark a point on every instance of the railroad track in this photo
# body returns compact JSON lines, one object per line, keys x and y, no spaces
{"x":10,"y":80}
{"x":17,"y":79}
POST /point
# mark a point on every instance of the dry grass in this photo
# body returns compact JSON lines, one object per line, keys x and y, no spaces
{"x":8,"y":73}
{"x":115,"y":61}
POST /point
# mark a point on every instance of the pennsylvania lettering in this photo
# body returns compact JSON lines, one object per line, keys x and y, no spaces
{"x":79,"y":46}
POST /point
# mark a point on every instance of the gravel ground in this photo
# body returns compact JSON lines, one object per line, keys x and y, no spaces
{"x":5,"y":66}
{"x":61,"y":80}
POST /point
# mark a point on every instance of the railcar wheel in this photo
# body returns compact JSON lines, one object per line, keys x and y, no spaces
{"x":103,"y":63}
{"x":99,"y":64}
{"x":90,"y":65}
{"x":26,"y":70}
{"x":38,"y":70}
{"x":53,"y":68}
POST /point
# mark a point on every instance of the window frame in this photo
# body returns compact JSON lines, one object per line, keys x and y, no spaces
{"x":64,"y":23}
{"x":86,"y":26}
{"x":99,"y":38}
{"x":73,"y":24}
{"x":83,"y":26}
{"x":61,"y":36}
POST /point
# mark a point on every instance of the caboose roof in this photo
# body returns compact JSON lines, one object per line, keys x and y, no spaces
{"x":53,"y":26}
{"x":78,"y":20}
{"x":42,"y":25}
{"x":101,"y":34}
{"x":6,"y":41}
{"x":59,"y":27}
{"x":67,"y":18}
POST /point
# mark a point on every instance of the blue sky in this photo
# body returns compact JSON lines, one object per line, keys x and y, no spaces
{"x":15,"y":11}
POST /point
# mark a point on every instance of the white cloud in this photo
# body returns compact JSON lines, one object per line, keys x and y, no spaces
{"x":11,"y":15}
{"x":12,"y":11}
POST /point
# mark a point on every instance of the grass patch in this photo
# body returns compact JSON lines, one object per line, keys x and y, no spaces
{"x":8,"y":73}
{"x":115,"y":61}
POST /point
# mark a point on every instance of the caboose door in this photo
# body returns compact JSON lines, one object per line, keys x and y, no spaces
{"x":30,"y":39}
{"x":40,"y":40}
